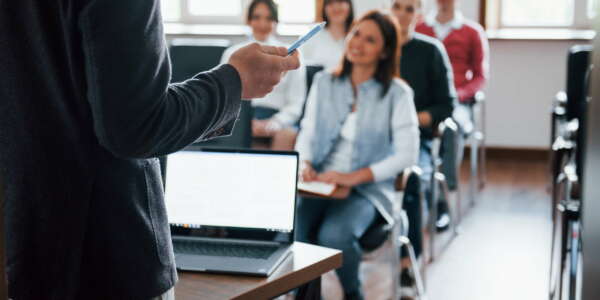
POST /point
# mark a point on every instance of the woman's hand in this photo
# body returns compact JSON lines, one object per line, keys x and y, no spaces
{"x":307,"y":173}
{"x":347,"y":179}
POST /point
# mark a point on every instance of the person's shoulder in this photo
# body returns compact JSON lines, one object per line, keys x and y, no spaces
{"x":324,"y":77}
{"x":423,"y":26}
{"x":473,"y":27}
{"x":400,"y":89}
{"x":427,"y":42}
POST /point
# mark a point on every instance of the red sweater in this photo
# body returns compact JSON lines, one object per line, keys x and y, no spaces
{"x":468,"y":50}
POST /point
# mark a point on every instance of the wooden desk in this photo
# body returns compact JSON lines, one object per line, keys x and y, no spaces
{"x":303,"y":268}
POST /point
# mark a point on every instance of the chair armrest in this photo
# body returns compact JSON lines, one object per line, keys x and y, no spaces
{"x":479,"y":97}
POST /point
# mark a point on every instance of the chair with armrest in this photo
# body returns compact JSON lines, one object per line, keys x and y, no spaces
{"x":393,"y":229}
{"x":568,"y":141}
{"x":396,"y":230}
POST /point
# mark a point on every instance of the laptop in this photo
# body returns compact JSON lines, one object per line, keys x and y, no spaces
{"x":231,"y":211}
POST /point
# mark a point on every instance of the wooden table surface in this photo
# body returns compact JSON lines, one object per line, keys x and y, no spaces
{"x":307,"y":262}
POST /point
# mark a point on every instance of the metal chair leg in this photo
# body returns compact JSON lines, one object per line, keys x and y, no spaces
{"x":419,"y":283}
{"x":474,"y":178}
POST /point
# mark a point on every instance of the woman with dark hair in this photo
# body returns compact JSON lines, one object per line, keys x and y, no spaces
{"x":326,"y":48}
{"x":278,"y":113}
{"x":360,"y":130}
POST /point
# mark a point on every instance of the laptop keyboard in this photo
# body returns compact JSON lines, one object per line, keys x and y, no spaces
{"x":223,"y":249}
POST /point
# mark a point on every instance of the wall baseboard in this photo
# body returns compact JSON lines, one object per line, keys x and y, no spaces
{"x":500,"y":153}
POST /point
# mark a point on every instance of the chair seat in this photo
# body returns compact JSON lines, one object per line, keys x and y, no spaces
{"x":376,"y":235}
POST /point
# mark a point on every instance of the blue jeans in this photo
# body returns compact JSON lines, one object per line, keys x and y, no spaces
{"x":337,"y":224}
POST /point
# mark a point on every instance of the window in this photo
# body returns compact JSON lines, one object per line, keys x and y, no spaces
{"x":233,"y":11}
{"x":592,"y":9}
{"x":171,"y":10}
{"x":565,"y":14}
{"x":529,"y":13}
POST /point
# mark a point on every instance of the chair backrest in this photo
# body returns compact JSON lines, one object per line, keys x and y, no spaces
{"x":582,"y":133}
{"x":578,"y":62}
{"x":311,"y":71}
{"x":192,"y":56}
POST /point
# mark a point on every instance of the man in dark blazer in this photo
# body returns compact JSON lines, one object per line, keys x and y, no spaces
{"x":85,"y":106}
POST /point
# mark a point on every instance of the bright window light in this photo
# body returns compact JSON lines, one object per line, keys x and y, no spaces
{"x":536,"y":13}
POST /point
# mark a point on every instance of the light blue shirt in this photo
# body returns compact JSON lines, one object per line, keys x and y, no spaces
{"x":386,"y":138}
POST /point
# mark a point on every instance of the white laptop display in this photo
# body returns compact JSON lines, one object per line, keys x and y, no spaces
{"x":231,"y":211}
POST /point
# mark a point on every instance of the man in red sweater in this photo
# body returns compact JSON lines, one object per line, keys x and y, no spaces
{"x":466,"y":44}
{"x":468,"y":49}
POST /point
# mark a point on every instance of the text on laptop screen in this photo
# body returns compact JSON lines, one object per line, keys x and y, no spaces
{"x":246,"y":190}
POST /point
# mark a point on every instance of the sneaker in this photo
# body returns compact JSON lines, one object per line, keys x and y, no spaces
{"x":407,"y":285}
{"x":443,"y":220}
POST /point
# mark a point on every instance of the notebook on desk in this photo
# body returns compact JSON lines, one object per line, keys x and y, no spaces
{"x":231,"y":211}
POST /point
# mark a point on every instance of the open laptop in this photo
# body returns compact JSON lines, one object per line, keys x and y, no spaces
{"x":231,"y":211}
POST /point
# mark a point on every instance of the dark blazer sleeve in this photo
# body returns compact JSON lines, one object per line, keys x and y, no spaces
{"x":444,"y":93}
{"x":136,"y":112}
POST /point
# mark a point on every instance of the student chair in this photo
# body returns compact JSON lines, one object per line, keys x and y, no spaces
{"x":569,"y":115}
{"x":192,"y":56}
{"x":476,"y":140}
{"x":395,"y":229}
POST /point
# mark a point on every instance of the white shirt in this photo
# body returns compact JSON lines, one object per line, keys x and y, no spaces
{"x":287,"y":97}
{"x":323,"y":49}
{"x":443,"y":30}
{"x":340,"y":159}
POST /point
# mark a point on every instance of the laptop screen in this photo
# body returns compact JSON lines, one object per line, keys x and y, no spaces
{"x":238,"y":189}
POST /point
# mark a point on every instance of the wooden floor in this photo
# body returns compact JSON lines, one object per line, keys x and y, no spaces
{"x":502,"y":251}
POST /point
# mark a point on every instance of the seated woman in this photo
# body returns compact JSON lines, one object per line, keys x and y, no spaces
{"x":360,"y":130}
{"x":327,"y":47}
{"x":277,"y":114}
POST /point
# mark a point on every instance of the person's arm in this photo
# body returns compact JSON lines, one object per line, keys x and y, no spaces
{"x":442,"y":83}
{"x":136,"y":112}
{"x":479,"y":65}
{"x":405,"y":140}
{"x":307,"y":126}
{"x":295,"y":94}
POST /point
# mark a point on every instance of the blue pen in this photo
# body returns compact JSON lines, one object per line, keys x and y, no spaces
{"x":306,"y":37}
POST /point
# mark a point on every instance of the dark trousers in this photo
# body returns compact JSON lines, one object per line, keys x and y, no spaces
{"x":412,"y":203}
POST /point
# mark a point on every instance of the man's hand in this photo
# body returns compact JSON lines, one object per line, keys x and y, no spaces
{"x":261,"y":68}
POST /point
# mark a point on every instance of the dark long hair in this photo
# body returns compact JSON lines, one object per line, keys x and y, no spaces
{"x":388,"y":68}
{"x":269,"y":3}
{"x":349,"y":19}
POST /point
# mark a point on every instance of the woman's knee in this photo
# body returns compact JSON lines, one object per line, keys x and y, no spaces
{"x":338,"y":237}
